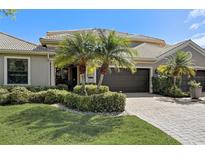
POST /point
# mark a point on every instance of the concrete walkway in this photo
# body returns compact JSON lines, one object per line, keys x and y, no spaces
{"x":181,"y":118}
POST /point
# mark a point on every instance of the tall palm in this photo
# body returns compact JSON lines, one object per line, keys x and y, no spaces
{"x":78,"y":49}
{"x":178,"y":65}
{"x":114,"y":50}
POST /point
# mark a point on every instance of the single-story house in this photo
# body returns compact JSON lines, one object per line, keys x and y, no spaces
{"x":26,"y":63}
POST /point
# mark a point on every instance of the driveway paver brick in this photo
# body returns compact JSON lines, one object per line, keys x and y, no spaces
{"x":180,"y":118}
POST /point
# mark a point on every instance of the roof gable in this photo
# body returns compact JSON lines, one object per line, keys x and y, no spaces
{"x":180,"y":46}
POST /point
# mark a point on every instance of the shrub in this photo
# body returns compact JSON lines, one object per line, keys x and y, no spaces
{"x":19,"y":95}
{"x":7,"y":87}
{"x":175,"y":91}
{"x":4,"y":99}
{"x":91,"y":89}
{"x":108,"y":102}
{"x":54,"y":96}
{"x":194,"y":84}
{"x":161,"y":85}
{"x":3,"y":91}
{"x":37,"y":97}
{"x":36,"y":88}
{"x":78,"y":102}
{"x":105,"y":102}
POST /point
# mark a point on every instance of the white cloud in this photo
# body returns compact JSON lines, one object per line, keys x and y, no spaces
{"x":199,"y":39}
{"x":197,"y":25}
{"x":194,"y":14}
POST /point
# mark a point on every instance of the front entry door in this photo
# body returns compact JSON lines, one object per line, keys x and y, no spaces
{"x":73,"y":78}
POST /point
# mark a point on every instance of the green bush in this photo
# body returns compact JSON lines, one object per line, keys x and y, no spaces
{"x":50,"y":96}
{"x":3,"y":91}
{"x":105,"y":102}
{"x":54,"y":96}
{"x":3,"y":96}
{"x":108,"y":102}
{"x":4,"y":99}
{"x":91,"y":89}
{"x":175,"y":91}
{"x":36,"y":88}
{"x":19,"y":95}
{"x":37,"y":97}
{"x":78,"y":102}
{"x":163,"y":85}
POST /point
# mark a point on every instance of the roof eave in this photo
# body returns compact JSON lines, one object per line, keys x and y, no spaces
{"x":9,"y":51}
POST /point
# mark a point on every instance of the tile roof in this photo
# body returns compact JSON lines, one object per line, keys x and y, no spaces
{"x":8,"y":42}
{"x":60,"y":35}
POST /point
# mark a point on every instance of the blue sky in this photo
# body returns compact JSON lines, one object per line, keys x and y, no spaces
{"x":171,"y":25}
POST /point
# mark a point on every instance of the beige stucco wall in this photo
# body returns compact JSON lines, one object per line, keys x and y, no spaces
{"x":39,"y":68}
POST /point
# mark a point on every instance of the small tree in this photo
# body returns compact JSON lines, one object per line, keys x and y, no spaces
{"x":114,"y":50}
{"x":178,"y":65}
{"x":8,"y":12}
{"x":78,"y":49}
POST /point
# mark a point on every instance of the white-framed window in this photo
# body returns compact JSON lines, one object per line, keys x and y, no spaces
{"x":90,"y":78}
{"x":16,"y":70}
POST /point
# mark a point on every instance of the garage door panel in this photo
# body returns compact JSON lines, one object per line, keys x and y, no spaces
{"x":125,"y":81}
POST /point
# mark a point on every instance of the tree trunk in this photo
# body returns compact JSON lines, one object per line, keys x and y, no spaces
{"x":82,"y":70}
{"x":100,"y":82}
{"x":83,"y":84}
{"x":174,"y":80}
{"x":103,"y":71}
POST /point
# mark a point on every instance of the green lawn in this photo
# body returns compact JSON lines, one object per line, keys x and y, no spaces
{"x":44,"y":124}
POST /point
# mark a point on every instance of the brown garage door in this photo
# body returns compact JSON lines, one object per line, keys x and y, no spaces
{"x":125,"y":81}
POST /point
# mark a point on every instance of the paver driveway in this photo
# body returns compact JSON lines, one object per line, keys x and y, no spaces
{"x":182,"y":119}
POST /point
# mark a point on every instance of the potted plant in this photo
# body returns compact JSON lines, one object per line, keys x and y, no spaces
{"x":195,"y":89}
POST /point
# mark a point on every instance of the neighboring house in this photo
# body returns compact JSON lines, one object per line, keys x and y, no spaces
{"x":24,"y":63}
{"x":151,"y":53}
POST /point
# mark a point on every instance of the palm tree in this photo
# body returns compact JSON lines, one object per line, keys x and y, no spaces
{"x":114,"y":50}
{"x":78,"y":49}
{"x":178,"y":65}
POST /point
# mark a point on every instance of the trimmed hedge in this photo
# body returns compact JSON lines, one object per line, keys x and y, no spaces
{"x":3,"y":91}
{"x":50,"y":96}
{"x":35,"y":88}
{"x":54,"y":96}
{"x":38,"y":97}
{"x":19,"y":95}
{"x":3,"y":96}
{"x":78,"y":102}
{"x":91,"y":89}
{"x":106,"y":102}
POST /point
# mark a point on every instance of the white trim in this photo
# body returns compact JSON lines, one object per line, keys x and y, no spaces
{"x":93,"y":75}
{"x":6,"y":71}
{"x":199,"y":67}
{"x":52,"y":74}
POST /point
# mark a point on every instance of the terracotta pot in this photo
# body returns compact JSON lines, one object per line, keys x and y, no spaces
{"x":196,"y":93}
